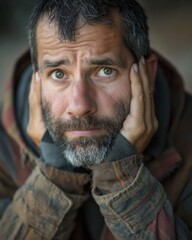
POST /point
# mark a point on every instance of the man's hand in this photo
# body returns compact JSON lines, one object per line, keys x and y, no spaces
{"x":36,"y":127}
{"x":141,"y":123}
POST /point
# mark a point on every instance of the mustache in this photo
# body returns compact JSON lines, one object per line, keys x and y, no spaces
{"x":85,"y":123}
{"x":112,"y":124}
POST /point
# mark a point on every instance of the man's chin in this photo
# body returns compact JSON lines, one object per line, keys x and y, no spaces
{"x":85,"y":152}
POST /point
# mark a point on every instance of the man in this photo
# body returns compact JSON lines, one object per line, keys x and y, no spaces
{"x":82,"y":159}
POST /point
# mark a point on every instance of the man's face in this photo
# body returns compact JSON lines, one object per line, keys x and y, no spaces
{"x":85,"y":89}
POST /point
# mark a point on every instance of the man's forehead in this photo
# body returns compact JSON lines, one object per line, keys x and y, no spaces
{"x":93,"y":44}
{"x":97,"y":35}
{"x":51,"y":26}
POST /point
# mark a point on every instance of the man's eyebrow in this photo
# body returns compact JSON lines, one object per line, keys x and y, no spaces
{"x":53,"y":64}
{"x":107,"y":61}
{"x":101,"y":62}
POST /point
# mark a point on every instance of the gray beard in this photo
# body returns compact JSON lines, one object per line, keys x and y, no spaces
{"x":82,"y":158}
{"x":85,"y":151}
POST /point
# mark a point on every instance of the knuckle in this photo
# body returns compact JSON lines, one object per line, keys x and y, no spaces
{"x":153,"y":127}
{"x":142,"y":128}
{"x":141,"y":97}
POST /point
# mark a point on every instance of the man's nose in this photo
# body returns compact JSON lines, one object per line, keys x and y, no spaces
{"x":81,"y":99}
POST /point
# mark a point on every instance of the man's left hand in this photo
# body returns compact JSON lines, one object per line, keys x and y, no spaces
{"x":141,"y":123}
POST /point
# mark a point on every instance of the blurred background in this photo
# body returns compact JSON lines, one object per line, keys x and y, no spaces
{"x":170,"y":24}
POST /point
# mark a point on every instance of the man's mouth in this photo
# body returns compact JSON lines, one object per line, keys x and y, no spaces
{"x":85,"y":133}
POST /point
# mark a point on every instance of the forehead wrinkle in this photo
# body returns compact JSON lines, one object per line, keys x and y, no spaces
{"x":53,"y":63}
{"x":87,"y":49}
{"x":118,"y":61}
{"x":122,"y":63}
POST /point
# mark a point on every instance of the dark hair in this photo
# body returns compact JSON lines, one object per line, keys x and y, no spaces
{"x":67,"y":13}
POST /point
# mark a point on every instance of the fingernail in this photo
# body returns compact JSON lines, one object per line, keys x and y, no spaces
{"x":37,"y":78}
{"x":135,"y":66}
{"x":143,"y":60}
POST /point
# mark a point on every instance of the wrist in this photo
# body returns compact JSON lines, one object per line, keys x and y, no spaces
{"x":52,"y":157}
{"x":112,"y":177}
{"x":121,"y":148}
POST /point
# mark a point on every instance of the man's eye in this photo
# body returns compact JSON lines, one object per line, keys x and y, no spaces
{"x":57,"y":75}
{"x":106,"y":72}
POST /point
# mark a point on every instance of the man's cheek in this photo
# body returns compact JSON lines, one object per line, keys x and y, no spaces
{"x":57,"y":105}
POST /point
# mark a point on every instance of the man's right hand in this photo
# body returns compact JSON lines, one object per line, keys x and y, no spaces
{"x":36,"y":126}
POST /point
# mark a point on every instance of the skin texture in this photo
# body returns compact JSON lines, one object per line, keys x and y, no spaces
{"x":96,"y":71}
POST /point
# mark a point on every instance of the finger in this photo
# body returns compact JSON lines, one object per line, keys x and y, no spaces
{"x":36,"y":126}
{"x":35,"y":91}
{"x":133,"y":126}
{"x":149,"y":116}
{"x":137,"y":106}
{"x":147,"y":91}
{"x":35,"y":99}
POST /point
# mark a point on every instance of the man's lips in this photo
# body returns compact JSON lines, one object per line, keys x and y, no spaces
{"x":85,"y":133}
